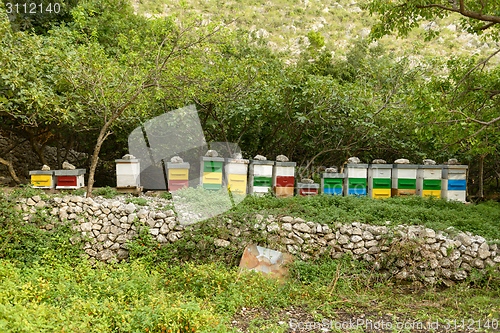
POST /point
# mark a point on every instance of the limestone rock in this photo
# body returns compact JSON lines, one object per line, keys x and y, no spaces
{"x":484,"y":251}
{"x":331,"y":169}
{"x":356,"y":238}
{"x":307,"y":181}
{"x":68,"y":166}
{"x":429,"y":162}
{"x":128,"y":157}
{"x":379,"y":161}
{"x":281,"y":158}
{"x":273,"y":227}
{"x":176,"y":159}
{"x":221,"y":242}
{"x":105,"y":255}
{"x":121,"y":254}
{"x":465,"y":239}
{"x":343,"y":239}
{"x":237,"y":156}
{"x":460,"y":275}
{"x":401,"y":161}
{"x":302,"y":227}
{"x":129,"y":209}
{"x":45,"y":168}
{"x":211,"y":153}
{"x":260,"y":158}
{"x":353,"y":160}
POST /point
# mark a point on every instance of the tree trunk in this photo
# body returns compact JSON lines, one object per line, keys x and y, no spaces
{"x":38,"y":149}
{"x":481,"y":176}
{"x":103,"y":134}
{"x":11,"y":170}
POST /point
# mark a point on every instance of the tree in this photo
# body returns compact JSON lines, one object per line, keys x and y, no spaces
{"x":112,"y":80}
{"x":401,"y":16}
{"x":33,"y":98}
{"x":470,"y":96}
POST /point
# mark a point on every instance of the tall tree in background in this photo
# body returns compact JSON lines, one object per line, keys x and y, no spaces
{"x":112,"y":80}
{"x":471,"y":93}
{"x":401,"y":16}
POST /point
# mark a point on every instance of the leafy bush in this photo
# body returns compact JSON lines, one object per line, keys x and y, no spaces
{"x":481,"y":219}
{"x":137,"y":201}
{"x":106,"y":192}
{"x":27,"y":242}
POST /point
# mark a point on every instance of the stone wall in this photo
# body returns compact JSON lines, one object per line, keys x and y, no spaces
{"x":406,"y":252}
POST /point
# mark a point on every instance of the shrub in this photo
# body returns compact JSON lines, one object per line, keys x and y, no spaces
{"x":106,"y":192}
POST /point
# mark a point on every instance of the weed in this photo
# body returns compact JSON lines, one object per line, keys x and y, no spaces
{"x":106,"y":192}
{"x":166,"y":195}
{"x":137,"y":201}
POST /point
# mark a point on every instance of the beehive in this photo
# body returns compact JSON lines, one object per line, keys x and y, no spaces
{"x":332,"y":183}
{"x":211,"y":172}
{"x":128,"y":173}
{"x":307,"y":189}
{"x":42,"y":179}
{"x":356,"y":179}
{"x":236,"y":173}
{"x":429,"y":179}
{"x":69,"y":179}
{"x":260,"y":177}
{"x":454,"y":182}
{"x":404,"y":179}
{"x":177,"y":175}
{"x":379,"y":181}
{"x":284,"y":179}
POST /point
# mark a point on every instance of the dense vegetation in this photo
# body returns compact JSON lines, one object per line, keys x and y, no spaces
{"x":46,"y":286}
{"x":84,"y":81}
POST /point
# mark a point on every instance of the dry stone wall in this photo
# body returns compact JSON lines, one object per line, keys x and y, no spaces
{"x":406,"y":252}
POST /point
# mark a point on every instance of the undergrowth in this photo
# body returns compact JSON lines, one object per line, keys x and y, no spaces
{"x":481,"y":219}
{"x":192,"y":286}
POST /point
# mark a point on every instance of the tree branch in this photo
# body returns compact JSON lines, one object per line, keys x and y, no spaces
{"x":464,"y":12}
{"x":11,"y":170}
{"x":486,"y":26}
{"x":484,"y":123}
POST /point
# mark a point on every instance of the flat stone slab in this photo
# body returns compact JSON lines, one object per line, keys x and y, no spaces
{"x":267,"y":261}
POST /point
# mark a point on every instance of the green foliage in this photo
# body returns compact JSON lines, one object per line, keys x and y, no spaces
{"x":106,"y":192}
{"x":316,"y":39}
{"x":26,"y":191}
{"x":28,"y":243}
{"x":166,"y":195}
{"x":434,"y":213}
{"x":323,"y":271}
{"x":402,"y":16}
{"x":137,"y":201}
{"x":188,"y":286}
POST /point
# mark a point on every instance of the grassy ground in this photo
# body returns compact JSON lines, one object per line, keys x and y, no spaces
{"x":482,"y":219}
{"x":46,"y":287}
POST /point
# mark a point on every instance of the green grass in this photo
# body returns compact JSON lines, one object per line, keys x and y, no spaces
{"x":106,"y":192}
{"x":130,"y":297}
{"x":47,"y":287}
{"x":481,"y":219}
{"x":137,"y":201}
